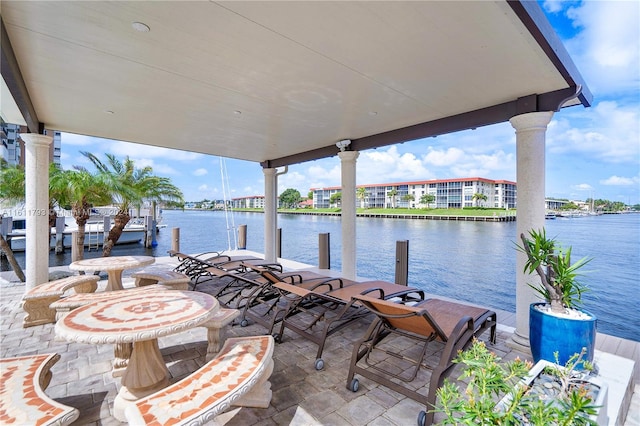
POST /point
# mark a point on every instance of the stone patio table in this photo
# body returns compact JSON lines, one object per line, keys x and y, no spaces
{"x":140,"y":319}
{"x":113,"y":265}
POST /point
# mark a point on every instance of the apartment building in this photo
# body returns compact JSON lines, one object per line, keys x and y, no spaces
{"x":12,"y":148}
{"x":446,"y":194}
{"x":249,"y":202}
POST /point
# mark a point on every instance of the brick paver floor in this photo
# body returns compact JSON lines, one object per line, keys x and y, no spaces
{"x":301,"y":395}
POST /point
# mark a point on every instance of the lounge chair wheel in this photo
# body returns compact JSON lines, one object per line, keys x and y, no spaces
{"x":319,"y":364}
{"x":422,"y":418}
{"x":355,"y":385}
{"x":277,"y":337}
{"x":244,"y":323}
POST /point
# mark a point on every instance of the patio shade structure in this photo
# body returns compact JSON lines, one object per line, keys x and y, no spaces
{"x":280,"y":83}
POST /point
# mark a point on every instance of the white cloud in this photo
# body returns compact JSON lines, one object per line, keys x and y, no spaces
{"x":494,"y":165}
{"x":200,"y":172}
{"x":389,"y":165}
{"x":251,"y":190}
{"x":606,"y":132}
{"x":620,"y":181}
{"x":553,"y":6}
{"x":607,"y":49}
{"x":323,"y":173}
{"x":440,"y":158}
{"x":582,"y":187}
{"x":292,"y":179}
{"x":159,"y":169}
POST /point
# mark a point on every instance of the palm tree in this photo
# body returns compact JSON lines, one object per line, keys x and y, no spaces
{"x":336,"y":199}
{"x":79,"y":190}
{"x":130,"y":186}
{"x":427,"y":199}
{"x":361,"y":194}
{"x":408,"y":198}
{"x":392,"y":194}
{"x":12,"y":188}
{"x":477,"y":196}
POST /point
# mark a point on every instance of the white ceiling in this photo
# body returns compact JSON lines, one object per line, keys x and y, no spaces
{"x":265,"y":80}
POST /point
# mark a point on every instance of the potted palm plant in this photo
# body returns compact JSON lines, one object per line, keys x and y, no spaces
{"x":558,"y":324}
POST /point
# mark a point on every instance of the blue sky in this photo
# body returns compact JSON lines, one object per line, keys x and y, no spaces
{"x":591,"y":152}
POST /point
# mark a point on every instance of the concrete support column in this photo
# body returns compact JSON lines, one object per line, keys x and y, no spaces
{"x":37,"y":208}
{"x":270,"y":213}
{"x":348,"y":203}
{"x":530,"y":152}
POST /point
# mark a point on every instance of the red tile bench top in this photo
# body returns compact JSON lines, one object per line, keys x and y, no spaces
{"x":80,"y":283}
{"x":158,"y":275}
{"x":22,"y":397}
{"x":238,"y":375}
{"x":37,"y":301}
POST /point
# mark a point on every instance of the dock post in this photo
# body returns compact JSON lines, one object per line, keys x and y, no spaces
{"x":402,"y":262}
{"x":106,"y":228}
{"x":74,"y":249}
{"x":279,"y":243}
{"x":242,"y":237}
{"x":149,"y":231}
{"x":59,"y":235}
{"x":154,"y":216}
{"x":324,"y":251}
{"x":6,"y":226}
{"x":175,"y":239}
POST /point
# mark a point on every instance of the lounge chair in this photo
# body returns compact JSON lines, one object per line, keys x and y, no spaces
{"x":189,"y":264}
{"x":240,"y":266}
{"x":265,"y":306}
{"x":392,"y":364}
{"x":254,"y":296}
{"x":317,"y":313}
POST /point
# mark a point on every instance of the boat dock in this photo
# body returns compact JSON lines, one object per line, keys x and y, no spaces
{"x":494,"y":218}
{"x":301,"y":395}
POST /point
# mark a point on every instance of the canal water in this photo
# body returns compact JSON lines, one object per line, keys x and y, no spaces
{"x":470,"y":261}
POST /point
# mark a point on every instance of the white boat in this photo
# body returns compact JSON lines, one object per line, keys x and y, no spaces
{"x":94,"y":235}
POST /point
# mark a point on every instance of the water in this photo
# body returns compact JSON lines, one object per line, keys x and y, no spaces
{"x":470,"y":261}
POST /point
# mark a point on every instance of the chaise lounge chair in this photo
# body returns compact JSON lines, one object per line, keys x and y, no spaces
{"x":191,"y":265}
{"x":238,"y":266}
{"x":254,"y":294}
{"x":380,"y":357}
{"x":265,"y":305}
{"x":317,"y":313}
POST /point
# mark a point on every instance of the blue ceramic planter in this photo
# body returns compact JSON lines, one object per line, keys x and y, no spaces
{"x":549,"y":334}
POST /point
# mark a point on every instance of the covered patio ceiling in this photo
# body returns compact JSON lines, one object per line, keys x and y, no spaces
{"x":279,"y":82}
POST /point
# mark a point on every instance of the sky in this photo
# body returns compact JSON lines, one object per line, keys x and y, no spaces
{"x":591,"y":152}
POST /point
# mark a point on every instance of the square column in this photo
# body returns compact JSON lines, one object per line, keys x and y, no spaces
{"x":270,"y":213}
{"x":348,"y":207}
{"x":530,"y":175}
{"x":37,"y":208}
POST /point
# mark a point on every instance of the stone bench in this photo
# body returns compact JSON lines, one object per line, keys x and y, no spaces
{"x":37,"y":301}
{"x":238,"y":375}
{"x":166,"y":277}
{"x":22,"y":397}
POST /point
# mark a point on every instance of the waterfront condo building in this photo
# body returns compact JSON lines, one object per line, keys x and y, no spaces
{"x":249,"y":202}
{"x":446,"y":194}
{"x":12,"y":148}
